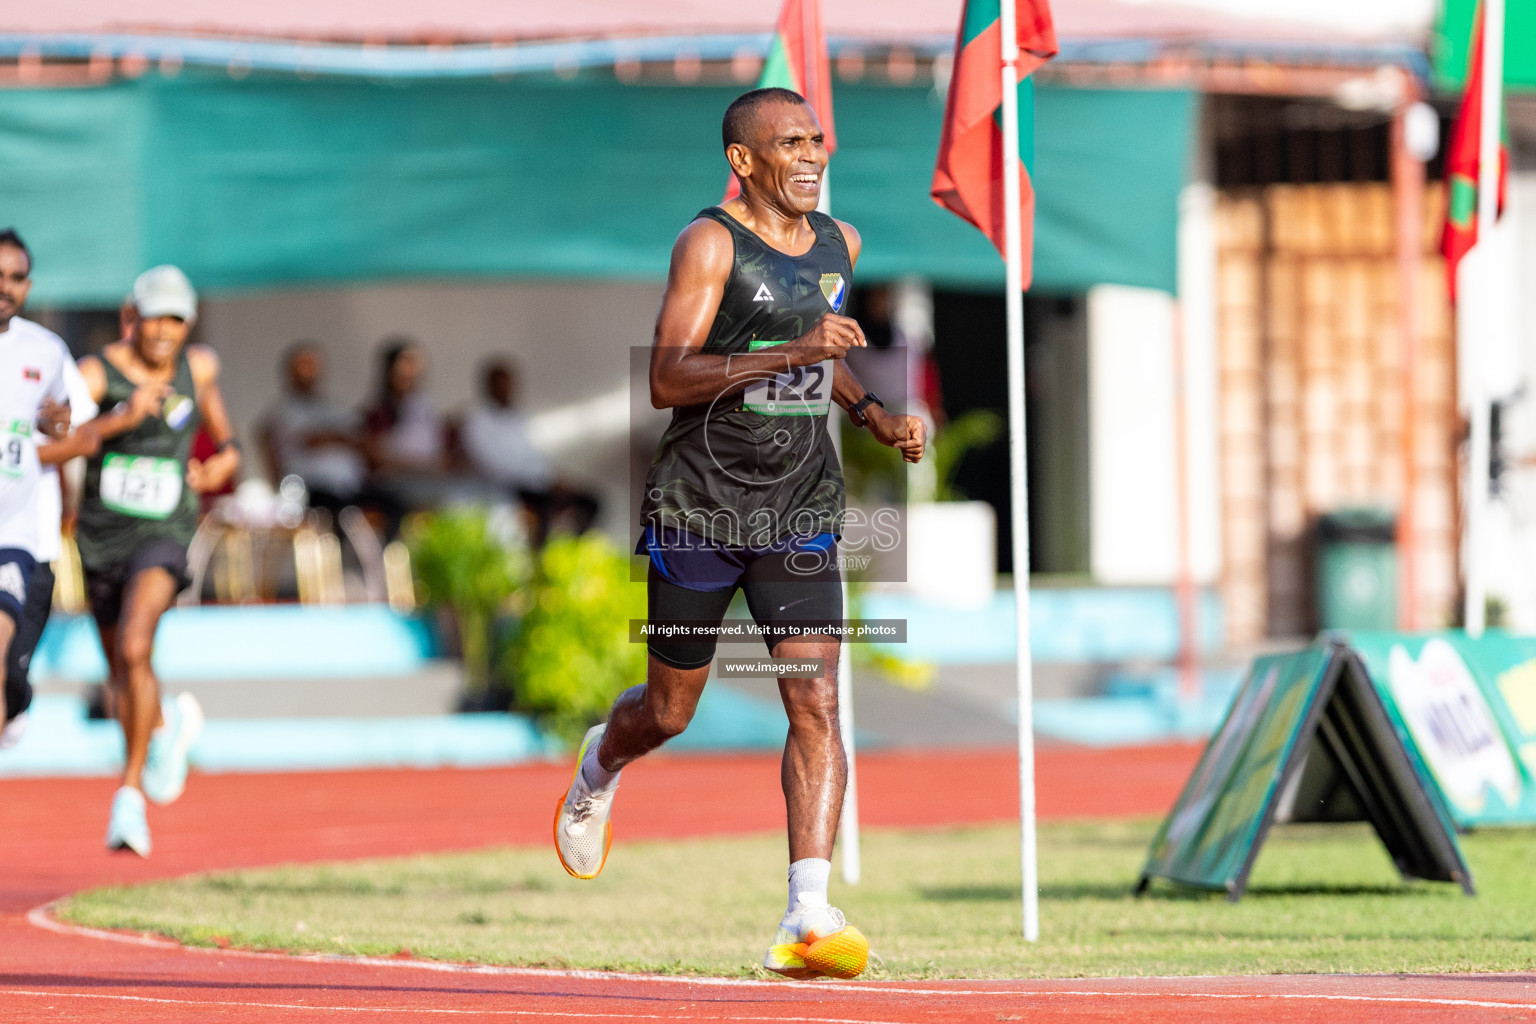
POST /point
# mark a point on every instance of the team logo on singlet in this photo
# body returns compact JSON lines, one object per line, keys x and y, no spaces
{"x":177,"y":410}
{"x":834,"y":289}
{"x":31,"y":373}
{"x":763,"y":294}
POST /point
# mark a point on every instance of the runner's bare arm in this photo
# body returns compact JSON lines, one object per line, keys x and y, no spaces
{"x":214,"y":473}
{"x":145,"y":402}
{"x":95,"y":377}
{"x":854,"y":240}
{"x":680,"y":373}
{"x":846,"y":389}
{"x":53,"y":418}
{"x":83,"y":441}
{"x":907,"y":434}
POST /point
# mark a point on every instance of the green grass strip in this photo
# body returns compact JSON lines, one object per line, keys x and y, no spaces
{"x":936,"y":904}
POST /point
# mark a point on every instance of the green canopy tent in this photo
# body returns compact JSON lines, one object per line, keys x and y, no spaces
{"x":274,"y":180}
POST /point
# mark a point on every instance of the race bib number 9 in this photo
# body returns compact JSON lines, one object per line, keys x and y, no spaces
{"x":803,"y":391}
{"x":141,"y":486}
{"x":15,"y":435}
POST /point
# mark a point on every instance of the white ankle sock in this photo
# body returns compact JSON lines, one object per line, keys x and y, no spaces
{"x":597,"y":778}
{"x":808,"y":878}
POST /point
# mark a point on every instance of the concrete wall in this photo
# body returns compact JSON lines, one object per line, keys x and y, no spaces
{"x":1133,"y":396}
{"x":572,"y":340}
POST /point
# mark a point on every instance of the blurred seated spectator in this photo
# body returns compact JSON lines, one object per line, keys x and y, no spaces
{"x":497,"y":445}
{"x":307,"y":435}
{"x":404,"y":433}
{"x":404,"y":437}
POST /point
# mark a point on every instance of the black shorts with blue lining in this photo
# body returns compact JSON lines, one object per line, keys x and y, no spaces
{"x":793,"y":588}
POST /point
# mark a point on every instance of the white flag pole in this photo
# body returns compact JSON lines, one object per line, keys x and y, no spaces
{"x":848,"y":823}
{"x":1479,"y":406}
{"x":1014,"y":283}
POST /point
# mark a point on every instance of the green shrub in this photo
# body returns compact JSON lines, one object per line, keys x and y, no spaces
{"x":464,"y":563}
{"x":572,"y":656}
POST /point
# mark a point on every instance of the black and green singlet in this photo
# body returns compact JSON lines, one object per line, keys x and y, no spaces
{"x":135,"y":487}
{"x":753,"y":467}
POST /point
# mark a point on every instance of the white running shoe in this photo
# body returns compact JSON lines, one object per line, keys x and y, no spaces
{"x":815,"y":939}
{"x":165,"y":769}
{"x":128,"y":829}
{"x":13,"y":731}
{"x":582,"y":831}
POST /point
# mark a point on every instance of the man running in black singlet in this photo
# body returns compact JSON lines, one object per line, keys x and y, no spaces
{"x":745,"y":491}
{"x":137,"y":515}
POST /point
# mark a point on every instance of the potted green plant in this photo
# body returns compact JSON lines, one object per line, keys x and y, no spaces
{"x":466,"y":565}
{"x":572,"y":654}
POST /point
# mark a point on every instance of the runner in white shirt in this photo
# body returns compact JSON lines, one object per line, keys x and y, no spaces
{"x":33,"y":400}
{"x":50,"y":547}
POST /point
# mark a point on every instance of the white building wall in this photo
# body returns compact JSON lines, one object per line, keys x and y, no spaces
{"x":1510,"y":548}
{"x":1132,"y":510}
{"x":1197,"y":315}
{"x":1133,"y":476}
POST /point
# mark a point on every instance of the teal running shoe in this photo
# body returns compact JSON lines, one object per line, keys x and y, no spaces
{"x":165,"y":769}
{"x":127,"y":829}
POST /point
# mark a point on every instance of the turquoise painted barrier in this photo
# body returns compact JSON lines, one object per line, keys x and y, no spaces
{"x":251,"y":642}
{"x":295,"y":642}
{"x":61,"y":740}
{"x":1138,"y":711}
{"x":1066,"y":624}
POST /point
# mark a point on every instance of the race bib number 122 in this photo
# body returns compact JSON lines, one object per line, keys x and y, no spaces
{"x":802,"y":391}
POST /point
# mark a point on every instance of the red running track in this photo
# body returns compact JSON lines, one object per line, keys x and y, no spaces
{"x":50,"y":836}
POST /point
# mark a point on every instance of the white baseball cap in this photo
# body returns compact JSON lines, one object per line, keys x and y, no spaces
{"x":165,"y":291}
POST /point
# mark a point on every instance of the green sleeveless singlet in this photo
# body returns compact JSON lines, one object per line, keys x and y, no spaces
{"x":757,"y":466}
{"x":135,"y":487}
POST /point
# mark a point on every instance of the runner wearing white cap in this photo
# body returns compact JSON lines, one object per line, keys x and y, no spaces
{"x":137,"y":516}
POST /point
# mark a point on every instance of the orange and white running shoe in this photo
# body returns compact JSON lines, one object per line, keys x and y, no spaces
{"x":815,"y":939}
{"x":582,"y":831}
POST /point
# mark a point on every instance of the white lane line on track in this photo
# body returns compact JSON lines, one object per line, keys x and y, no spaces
{"x":441,"y":1011}
{"x":42,"y":917}
{"x":446,"y":1011}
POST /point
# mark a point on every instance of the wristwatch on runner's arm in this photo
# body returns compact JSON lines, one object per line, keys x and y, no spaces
{"x":856,"y":410}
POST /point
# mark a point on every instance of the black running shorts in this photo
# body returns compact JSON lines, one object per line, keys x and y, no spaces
{"x":29,"y":630}
{"x":16,"y":567}
{"x":105,"y":587}
{"x":807,"y":594}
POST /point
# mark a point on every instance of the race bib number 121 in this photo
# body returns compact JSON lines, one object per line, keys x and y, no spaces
{"x":142,"y":486}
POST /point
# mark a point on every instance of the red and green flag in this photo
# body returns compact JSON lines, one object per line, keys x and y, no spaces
{"x":1462,"y":164}
{"x":797,"y":60}
{"x":968,"y":177}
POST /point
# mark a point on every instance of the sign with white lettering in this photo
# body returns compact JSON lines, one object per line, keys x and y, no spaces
{"x":1467,"y":712}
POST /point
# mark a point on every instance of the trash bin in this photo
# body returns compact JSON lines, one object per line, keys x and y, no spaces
{"x":1357,"y":569}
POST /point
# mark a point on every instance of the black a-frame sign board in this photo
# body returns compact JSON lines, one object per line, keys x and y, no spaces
{"x":1308,"y":738}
